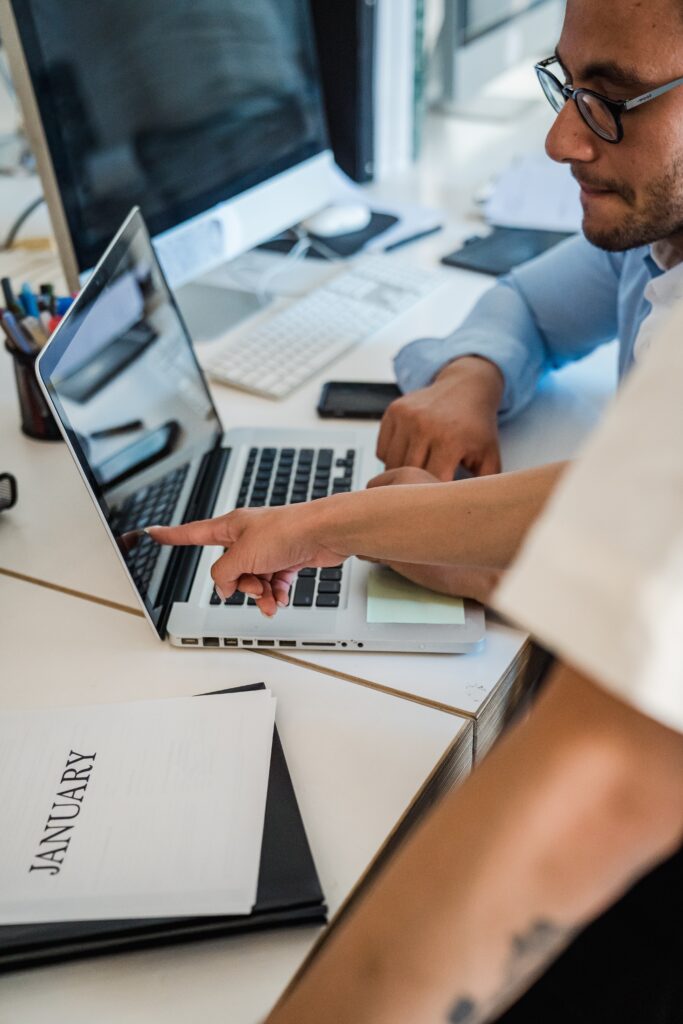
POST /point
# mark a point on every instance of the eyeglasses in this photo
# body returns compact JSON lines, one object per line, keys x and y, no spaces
{"x":601,"y":114}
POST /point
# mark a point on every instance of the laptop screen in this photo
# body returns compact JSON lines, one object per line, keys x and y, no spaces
{"x":126,"y":385}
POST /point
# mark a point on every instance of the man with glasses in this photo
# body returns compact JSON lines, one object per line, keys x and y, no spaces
{"x":614,"y":84}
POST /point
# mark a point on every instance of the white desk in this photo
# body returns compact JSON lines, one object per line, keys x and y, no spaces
{"x":53,"y":534}
{"x":356,"y":757}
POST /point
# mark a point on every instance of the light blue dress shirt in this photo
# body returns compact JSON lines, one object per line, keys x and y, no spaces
{"x":553,"y":310}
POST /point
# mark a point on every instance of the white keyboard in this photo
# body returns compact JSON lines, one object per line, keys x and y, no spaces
{"x":287,"y":347}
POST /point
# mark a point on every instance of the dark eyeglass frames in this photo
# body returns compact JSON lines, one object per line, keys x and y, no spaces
{"x":601,"y":114}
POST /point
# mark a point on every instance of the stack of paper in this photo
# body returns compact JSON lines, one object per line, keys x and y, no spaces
{"x":535,"y":192}
{"x":147,"y":809}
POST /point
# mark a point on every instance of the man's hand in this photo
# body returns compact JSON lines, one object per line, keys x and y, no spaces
{"x":264,"y":549}
{"x":451,"y":422}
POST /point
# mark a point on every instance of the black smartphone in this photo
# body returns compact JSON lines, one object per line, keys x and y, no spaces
{"x":356,"y":399}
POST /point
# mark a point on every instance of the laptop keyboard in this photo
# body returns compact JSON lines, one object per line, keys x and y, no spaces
{"x":284,"y":476}
{"x":153,"y":504}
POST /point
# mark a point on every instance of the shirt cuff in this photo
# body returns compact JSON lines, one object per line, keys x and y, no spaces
{"x":418,"y":363}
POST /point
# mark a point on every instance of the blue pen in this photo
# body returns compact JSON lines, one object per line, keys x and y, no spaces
{"x":62,"y":303}
{"x":29,"y":301}
{"x":412,"y":238}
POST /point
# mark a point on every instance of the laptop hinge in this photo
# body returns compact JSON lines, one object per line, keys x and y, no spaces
{"x":182,"y":565}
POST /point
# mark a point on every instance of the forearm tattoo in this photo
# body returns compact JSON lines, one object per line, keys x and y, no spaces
{"x":529,"y":954}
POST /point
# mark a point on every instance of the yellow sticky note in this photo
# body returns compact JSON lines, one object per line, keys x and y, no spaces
{"x":391,"y":598}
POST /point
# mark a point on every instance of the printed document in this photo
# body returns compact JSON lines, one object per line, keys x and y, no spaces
{"x":145,"y":809}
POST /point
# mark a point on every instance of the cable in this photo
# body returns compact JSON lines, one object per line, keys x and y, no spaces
{"x":6,"y":77}
{"x":20,"y":221}
{"x":298,"y":250}
{"x":303,"y":243}
{"x":324,"y":250}
{"x":20,"y":159}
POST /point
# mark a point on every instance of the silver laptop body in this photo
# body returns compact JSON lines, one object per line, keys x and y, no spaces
{"x":133,"y":406}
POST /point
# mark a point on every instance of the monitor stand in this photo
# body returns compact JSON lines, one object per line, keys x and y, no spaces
{"x":210,"y":310}
{"x":214,"y":303}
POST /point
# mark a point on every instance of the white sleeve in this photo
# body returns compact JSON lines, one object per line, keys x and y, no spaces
{"x":600,"y":578}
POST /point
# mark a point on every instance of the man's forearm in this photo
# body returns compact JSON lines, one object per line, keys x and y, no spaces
{"x":479,"y":522}
{"x":556,"y":823}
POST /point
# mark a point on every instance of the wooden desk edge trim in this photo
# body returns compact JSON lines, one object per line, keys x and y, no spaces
{"x":105,"y":602}
{"x":334,"y":673}
{"x":390,"y":691}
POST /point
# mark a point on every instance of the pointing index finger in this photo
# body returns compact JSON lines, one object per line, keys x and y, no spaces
{"x":202,"y":531}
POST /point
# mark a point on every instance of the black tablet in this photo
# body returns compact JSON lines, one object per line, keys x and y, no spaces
{"x":504,"y":249}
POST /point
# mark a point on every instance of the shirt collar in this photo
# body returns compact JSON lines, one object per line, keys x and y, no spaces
{"x":651,"y":261}
{"x":664,"y":256}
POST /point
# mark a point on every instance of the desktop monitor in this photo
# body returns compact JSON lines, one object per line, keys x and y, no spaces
{"x":207,"y":114}
{"x":480,"y":39}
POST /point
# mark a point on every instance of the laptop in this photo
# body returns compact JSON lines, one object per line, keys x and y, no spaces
{"x":132,"y":403}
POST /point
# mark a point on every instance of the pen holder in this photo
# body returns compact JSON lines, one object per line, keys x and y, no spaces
{"x":36,"y":419}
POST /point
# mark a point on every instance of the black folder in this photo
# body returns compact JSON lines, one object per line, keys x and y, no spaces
{"x":288,"y":893}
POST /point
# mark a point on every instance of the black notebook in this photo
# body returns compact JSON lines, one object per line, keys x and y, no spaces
{"x":288,"y":893}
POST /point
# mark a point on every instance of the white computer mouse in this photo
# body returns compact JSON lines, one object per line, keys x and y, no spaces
{"x":338,"y":219}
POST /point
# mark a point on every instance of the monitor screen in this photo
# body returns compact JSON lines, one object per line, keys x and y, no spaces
{"x":122,"y":375}
{"x":172,"y":105}
{"x":481,"y":15}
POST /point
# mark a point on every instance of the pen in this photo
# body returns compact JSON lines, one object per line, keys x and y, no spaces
{"x":33,"y":326}
{"x":48,"y":292}
{"x":19,"y":341}
{"x":412,"y":238}
{"x":29,"y":301}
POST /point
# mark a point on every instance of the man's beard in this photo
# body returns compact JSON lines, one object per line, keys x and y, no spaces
{"x":661,"y":216}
